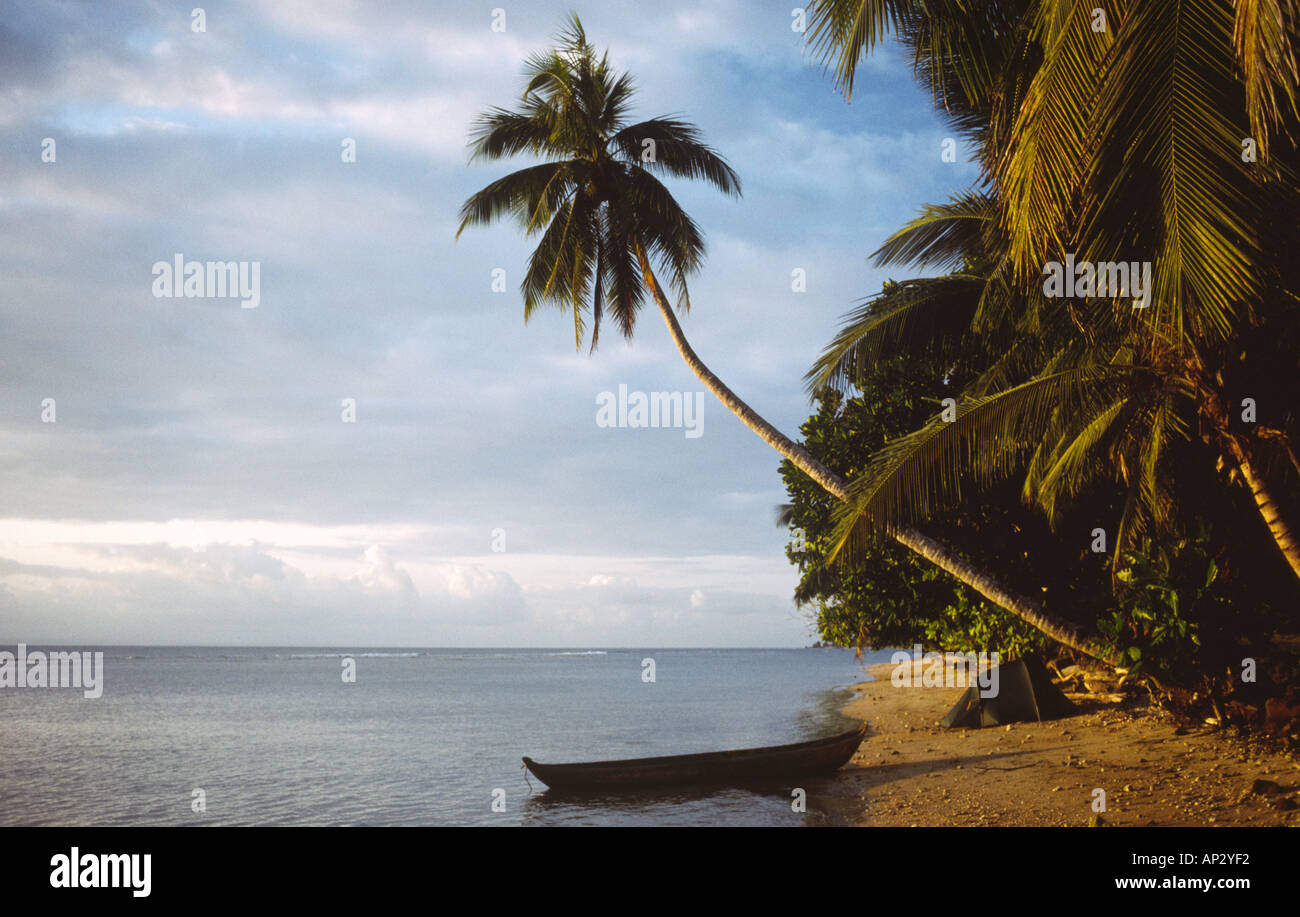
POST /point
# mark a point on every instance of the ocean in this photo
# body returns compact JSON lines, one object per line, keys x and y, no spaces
{"x":276,"y":736}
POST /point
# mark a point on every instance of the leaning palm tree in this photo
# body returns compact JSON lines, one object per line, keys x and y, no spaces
{"x":609,"y":229}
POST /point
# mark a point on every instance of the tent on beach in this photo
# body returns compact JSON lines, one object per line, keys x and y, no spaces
{"x":1025,"y":692}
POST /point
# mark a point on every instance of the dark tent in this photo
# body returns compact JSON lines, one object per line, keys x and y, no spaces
{"x":1025,"y":692}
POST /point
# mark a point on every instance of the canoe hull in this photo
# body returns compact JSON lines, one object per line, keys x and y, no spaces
{"x":738,"y":767}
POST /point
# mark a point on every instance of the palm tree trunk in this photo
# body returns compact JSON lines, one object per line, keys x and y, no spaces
{"x":1212,"y":406}
{"x":1059,"y":629}
{"x":1268,"y":507}
{"x":1062,"y":631}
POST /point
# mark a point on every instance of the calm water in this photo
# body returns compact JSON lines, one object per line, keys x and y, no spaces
{"x":423,"y":737}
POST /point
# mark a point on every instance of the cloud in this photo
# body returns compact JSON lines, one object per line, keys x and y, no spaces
{"x":601,"y":579}
{"x":381,"y":574}
{"x":245,"y":594}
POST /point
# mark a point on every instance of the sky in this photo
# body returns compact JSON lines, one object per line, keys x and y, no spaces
{"x":183,"y":470}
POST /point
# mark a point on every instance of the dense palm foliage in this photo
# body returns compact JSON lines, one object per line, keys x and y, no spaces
{"x":1049,"y":396}
{"x":1122,"y":131}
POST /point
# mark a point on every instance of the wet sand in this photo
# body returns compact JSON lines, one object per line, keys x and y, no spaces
{"x":911,"y":771}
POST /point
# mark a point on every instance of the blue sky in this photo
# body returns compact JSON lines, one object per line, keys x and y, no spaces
{"x":198,"y":484}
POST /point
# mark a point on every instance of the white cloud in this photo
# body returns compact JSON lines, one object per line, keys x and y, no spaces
{"x":602,"y":579}
{"x":381,"y":574}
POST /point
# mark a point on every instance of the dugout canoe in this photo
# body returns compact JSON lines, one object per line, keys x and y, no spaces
{"x":737,"y":767}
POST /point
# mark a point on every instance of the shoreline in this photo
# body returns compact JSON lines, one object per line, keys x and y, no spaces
{"x":910,"y":771}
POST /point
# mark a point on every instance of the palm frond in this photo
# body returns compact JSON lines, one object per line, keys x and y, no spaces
{"x":1063,"y":471}
{"x":671,"y":237}
{"x":842,"y":32}
{"x":930,"y":310}
{"x":678,"y":151}
{"x":553,"y":276}
{"x":944,"y":235}
{"x":962,"y":50}
{"x":915,"y":475}
{"x":1264,"y":38}
{"x":621,"y":267}
{"x":1170,"y":183}
{"x":531,"y":195}
{"x":1043,"y":165}
{"x":500,"y":134}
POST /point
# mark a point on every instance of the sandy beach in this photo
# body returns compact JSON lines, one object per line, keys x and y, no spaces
{"x":910,"y":771}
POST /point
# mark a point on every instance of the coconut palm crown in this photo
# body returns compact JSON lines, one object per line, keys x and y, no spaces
{"x":605,"y":220}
